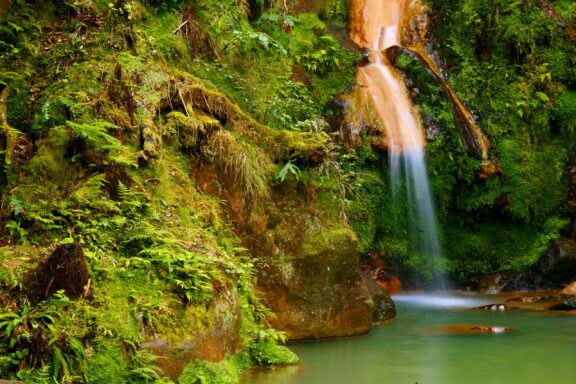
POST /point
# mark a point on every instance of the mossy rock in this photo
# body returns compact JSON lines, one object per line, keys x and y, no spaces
{"x":207,"y":333}
{"x":311,"y":279}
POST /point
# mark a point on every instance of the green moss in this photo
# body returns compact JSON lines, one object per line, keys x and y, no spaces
{"x":267,"y":352}
{"x":107,"y":365}
{"x":204,"y":372}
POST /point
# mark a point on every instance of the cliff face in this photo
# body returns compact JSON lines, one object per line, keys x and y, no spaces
{"x":128,"y":129}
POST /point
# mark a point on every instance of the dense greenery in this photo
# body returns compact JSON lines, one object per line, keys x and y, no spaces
{"x":513,"y":65}
{"x":113,"y":106}
{"x":103,"y":108}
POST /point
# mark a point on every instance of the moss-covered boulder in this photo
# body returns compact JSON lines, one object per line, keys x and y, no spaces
{"x":208,"y":333}
{"x":309,"y":273}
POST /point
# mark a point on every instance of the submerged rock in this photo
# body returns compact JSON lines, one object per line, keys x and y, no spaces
{"x":496,"y":307}
{"x":467,"y":330}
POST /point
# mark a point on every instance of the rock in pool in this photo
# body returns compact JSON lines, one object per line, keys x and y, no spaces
{"x":496,"y":307}
{"x":567,"y":305}
{"x":467,"y":329}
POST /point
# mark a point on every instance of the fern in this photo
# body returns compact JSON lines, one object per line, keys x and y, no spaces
{"x":143,"y":368}
{"x":68,"y":366}
{"x":90,"y":189}
{"x":95,"y":134}
{"x":288,"y":169}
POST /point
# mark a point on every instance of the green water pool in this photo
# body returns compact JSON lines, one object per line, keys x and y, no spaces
{"x":542,"y":351}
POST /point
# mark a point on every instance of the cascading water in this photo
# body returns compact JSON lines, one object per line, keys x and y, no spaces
{"x":378,"y":26}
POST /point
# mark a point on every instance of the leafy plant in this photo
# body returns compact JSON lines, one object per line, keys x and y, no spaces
{"x":288,"y":169}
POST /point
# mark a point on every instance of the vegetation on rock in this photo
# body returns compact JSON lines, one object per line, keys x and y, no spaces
{"x":192,"y":150}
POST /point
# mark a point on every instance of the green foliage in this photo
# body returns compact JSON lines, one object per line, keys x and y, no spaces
{"x":496,"y":246}
{"x":249,"y":165}
{"x":286,"y":170}
{"x":269,"y":353}
{"x":265,"y":350}
{"x":534,"y":192}
{"x":31,"y":340}
{"x":95,"y":134}
{"x":368,"y":209}
{"x":337,"y":12}
{"x":203,"y":372}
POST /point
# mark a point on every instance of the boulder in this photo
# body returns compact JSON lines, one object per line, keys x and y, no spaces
{"x":384,"y":308}
{"x":312,"y":281}
{"x":209,"y":333}
{"x":306,"y":257}
{"x":557,"y":267}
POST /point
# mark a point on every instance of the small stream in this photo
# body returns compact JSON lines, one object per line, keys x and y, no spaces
{"x":542,"y":351}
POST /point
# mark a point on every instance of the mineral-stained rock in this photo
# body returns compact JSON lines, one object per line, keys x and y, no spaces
{"x":312,"y":281}
{"x":570,"y":289}
{"x":211,"y":333}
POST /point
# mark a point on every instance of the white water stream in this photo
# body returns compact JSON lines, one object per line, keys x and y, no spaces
{"x":382,"y":21}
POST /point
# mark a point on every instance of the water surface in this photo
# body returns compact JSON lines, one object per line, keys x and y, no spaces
{"x":542,"y":351}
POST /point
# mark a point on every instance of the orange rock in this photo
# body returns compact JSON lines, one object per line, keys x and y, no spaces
{"x":467,"y":330}
{"x":570,"y":289}
{"x":388,"y":281}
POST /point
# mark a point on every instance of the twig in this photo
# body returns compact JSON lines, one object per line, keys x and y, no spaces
{"x":183,"y":103}
{"x":180,"y":26}
{"x":87,"y":288}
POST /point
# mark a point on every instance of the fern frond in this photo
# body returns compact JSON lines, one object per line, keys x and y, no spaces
{"x":95,"y":134}
{"x":90,"y":189}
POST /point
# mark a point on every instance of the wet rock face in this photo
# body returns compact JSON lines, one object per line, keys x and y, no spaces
{"x":314,"y":290}
{"x":309,"y":269}
{"x":384,"y":308}
{"x":209,"y":340}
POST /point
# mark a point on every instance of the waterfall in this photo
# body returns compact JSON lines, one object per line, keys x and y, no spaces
{"x":377,"y":27}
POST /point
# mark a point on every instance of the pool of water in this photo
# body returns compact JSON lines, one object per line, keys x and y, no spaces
{"x":543,"y":350}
